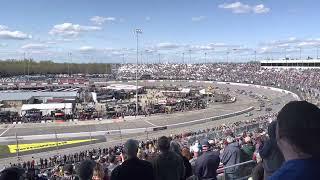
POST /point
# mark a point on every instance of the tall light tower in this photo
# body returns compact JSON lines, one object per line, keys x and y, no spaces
{"x":183,"y":58}
{"x":190,"y":56}
{"x":205,"y":57}
{"x":300,"y":52}
{"x":255,"y":55}
{"x":137,"y":31}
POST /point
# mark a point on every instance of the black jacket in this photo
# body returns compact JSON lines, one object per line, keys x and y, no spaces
{"x":133,"y":169}
{"x":206,"y":165}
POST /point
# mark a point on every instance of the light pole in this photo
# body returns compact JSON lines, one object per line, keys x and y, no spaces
{"x":228,"y":56}
{"x":137,"y":31}
{"x":183,"y":58}
{"x":190,"y":56}
{"x":205,"y":57}
{"x":159,"y":60}
{"x":300,"y":52}
{"x":255,"y":56}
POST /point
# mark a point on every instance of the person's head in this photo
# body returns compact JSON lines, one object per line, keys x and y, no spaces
{"x":247,"y":140}
{"x":163,"y":144}
{"x":12,"y":173}
{"x":298,"y":130}
{"x":112,"y":159}
{"x":68,"y":169}
{"x":98,"y":172}
{"x":175,"y":147}
{"x":131,"y":148}
{"x":272,"y":130}
{"x":186,"y":153}
{"x":205,"y":145}
{"x":230,"y":139}
{"x":85,"y":170}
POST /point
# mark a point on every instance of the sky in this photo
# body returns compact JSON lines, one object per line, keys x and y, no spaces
{"x":172,"y":30}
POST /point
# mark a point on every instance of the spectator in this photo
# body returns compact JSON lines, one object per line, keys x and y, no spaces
{"x":113,"y":164}
{"x":168,"y":165}
{"x":270,"y":152}
{"x":298,"y":128}
{"x":68,"y":172}
{"x":231,"y":156}
{"x":207,"y":164}
{"x":257,"y":171}
{"x":192,"y":161}
{"x":12,"y":173}
{"x":175,"y":147}
{"x":132,"y":167}
{"x":247,"y":149}
{"x":85,"y":170}
{"x":98,"y":173}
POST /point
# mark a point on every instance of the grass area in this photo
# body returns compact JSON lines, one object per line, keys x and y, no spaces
{"x":4,"y":151}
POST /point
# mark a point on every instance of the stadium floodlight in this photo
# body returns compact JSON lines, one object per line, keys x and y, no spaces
{"x":183,"y":58}
{"x":205,"y":57}
{"x":190,"y":56}
{"x":137,"y":32}
{"x":300,"y":48}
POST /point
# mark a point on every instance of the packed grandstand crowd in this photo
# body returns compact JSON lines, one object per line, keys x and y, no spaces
{"x":305,"y":82}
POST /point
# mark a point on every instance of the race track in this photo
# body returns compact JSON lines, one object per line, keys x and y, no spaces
{"x":276,"y":102}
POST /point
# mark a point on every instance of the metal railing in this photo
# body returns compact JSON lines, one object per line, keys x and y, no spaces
{"x":242,"y":174}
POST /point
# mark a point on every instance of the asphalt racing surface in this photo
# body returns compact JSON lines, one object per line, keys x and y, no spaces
{"x":276,"y":102}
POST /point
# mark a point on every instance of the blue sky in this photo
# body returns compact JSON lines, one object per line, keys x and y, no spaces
{"x":103,"y":30}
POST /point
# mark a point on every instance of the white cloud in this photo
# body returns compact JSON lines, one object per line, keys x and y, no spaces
{"x":71,"y":30}
{"x":3,"y":45}
{"x":236,"y":7}
{"x":5,"y":33}
{"x":167,"y":46}
{"x":198,"y":18}
{"x":259,"y":9}
{"x":99,"y":20}
{"x":148,"y":18}
{"x":34,"y":46}
{"x":241,"y":8}
{"x":87,"y":49}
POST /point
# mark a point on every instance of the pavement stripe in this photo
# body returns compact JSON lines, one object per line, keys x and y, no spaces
{"x":150,"y":123}
{"x":10,"y":126}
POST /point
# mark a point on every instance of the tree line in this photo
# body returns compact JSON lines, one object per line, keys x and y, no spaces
{"x":31,"y":67}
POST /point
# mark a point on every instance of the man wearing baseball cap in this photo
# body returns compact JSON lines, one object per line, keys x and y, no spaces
{"x":207,"y":164}
{"x":297,"y":134}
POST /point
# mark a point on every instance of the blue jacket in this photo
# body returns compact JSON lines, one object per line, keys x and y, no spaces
{"x":307,"y":169}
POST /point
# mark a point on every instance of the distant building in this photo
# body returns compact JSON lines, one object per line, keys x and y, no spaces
{"x":287,"y":64}
{"x":47,"y":109}
{"x":17,"y":98}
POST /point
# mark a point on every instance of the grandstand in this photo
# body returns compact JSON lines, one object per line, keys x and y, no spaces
{"x":288,"y":63}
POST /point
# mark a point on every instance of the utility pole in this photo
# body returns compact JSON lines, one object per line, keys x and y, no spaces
{"x":205,"y":57}
{"x":183,"y":58}
{"x":300,"y":52}
{"x":190,"y":56}
{"x":255,"y":56}
{"x":137,"y":31}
